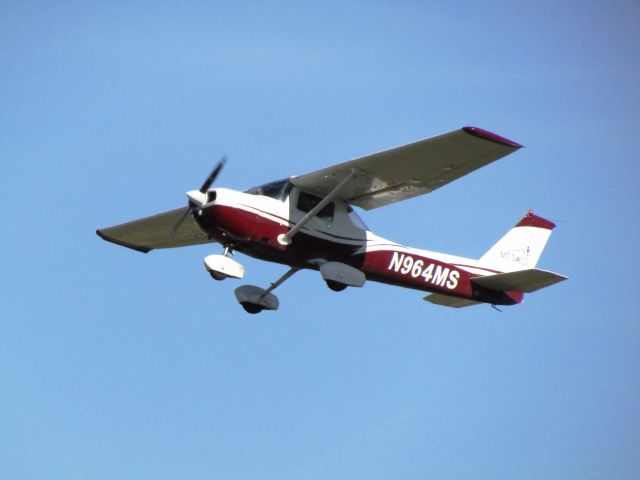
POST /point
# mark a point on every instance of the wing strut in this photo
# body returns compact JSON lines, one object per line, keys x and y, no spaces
{"x":279,"y":282}
{"x":285,"y":238}
{"x":255,"y":299}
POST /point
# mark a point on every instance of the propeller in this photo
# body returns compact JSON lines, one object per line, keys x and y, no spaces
{"x":197,"y":198}
{"x":212,"y":176}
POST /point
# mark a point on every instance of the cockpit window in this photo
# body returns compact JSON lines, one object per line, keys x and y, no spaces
{"x":278,"y":190}
{"x":306,"y":202}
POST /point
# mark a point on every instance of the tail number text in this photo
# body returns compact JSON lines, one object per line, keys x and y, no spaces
{"x":433,"y":273}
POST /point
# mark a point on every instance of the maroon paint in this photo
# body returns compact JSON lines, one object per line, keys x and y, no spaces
{"x":480,"y":133}
{"x":532,"y":220}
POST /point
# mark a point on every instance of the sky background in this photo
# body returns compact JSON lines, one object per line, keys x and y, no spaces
{"x":119,"y":365}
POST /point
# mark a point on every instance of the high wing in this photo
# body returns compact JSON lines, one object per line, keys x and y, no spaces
{"x":411,"y":170}
{"x":153,"y":232}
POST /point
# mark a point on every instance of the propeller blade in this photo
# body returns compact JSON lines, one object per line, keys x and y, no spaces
{"x":212,"y":176}
{"x":203,"y":189}
{"x":179,"y":223}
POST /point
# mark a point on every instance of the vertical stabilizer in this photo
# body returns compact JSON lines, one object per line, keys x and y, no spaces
{"x":521,"y":247}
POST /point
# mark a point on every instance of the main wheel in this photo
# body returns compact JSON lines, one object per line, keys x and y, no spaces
{"x":252,"y":307}
{"x":336,"y":286}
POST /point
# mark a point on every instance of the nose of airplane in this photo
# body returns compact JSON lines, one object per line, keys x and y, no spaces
{"x":197,"y":197}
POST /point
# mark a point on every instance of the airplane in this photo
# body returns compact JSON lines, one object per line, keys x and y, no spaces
{"x":308,"y":222}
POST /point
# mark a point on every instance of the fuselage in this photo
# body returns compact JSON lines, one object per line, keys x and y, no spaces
{"x":250,"y":222}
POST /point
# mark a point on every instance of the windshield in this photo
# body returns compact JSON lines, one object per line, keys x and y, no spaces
{"x":278,"y":190}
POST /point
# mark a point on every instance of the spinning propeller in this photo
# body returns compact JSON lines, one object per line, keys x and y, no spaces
{"x":199,"y":197}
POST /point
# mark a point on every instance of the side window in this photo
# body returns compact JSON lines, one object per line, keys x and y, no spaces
{"x":306,"y":202}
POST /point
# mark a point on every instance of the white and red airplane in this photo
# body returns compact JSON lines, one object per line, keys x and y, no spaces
{"x":308,"y":222}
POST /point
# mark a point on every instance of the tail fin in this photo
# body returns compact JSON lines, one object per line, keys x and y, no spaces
{"x":521,"y":247}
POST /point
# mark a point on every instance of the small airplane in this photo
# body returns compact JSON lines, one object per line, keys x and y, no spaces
{"x":308,"y":222}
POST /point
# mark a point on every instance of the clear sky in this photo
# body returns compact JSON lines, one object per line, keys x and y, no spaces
{"x":119,"y":365}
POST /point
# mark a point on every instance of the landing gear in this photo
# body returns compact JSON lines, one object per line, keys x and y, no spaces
{"x":340,"y":276}
{"x":223,"y":266}
{"x":255,"y":299}
{"x":217,"y":276}
{"x":252,"y":308}
{"x":336,"y":286}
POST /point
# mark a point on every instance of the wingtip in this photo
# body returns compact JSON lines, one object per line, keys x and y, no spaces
{"x":137,"y":248}
{"x":492,"y":137}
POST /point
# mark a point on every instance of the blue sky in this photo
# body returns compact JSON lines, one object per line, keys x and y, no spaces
{"x":115,"y":364}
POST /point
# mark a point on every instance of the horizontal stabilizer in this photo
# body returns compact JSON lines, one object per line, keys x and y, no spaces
{"x":527,"y":281}
{"x":449,"y":300}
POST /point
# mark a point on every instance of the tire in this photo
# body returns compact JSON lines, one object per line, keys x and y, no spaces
{"x":217,"y":276}
{"x":336,"y":286}
{"x":252,"y":308}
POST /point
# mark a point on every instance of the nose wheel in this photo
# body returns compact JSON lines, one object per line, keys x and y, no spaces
{"x":223,"y":266}
{"x":217,"y":276}
{"x":336,"y":286}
